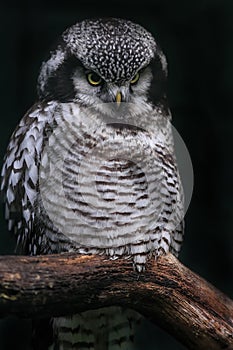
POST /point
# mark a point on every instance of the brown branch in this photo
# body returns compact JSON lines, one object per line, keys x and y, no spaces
{"x":168,"y":293}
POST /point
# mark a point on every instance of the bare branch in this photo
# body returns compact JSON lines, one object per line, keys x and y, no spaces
{"x":168,"y":293}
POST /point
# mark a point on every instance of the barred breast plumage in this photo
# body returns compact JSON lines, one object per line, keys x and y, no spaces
{"x":83,"y":173}
{"x":132,"y":204}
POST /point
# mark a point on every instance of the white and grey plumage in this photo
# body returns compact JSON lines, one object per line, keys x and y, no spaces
{"x":102,"y":114}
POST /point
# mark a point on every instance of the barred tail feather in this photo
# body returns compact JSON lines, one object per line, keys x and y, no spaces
{"x":110,"y":328}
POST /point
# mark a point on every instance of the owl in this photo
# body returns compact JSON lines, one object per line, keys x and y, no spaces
{"x":91,"y":167}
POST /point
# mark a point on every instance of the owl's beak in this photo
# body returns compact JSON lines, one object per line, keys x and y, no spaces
{"x":118,"y":97}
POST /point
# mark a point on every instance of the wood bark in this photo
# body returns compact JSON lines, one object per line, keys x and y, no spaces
{"x":167,"y":293}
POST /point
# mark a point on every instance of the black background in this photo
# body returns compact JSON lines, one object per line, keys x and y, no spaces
{"x":197,"y":38}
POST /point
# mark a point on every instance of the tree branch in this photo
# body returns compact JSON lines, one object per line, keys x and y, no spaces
{"x":168,"y":293}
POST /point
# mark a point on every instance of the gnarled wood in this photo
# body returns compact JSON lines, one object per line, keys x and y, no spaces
{"x":168,"y":293}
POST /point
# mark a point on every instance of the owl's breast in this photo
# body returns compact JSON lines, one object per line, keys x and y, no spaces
{"x":102,"y":184}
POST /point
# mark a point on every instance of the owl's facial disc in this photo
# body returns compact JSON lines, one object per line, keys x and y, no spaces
{"x":92,"y":88}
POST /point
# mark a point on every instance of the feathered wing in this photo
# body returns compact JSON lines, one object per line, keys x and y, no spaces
{"x":20,"y":183}
{"x":19,"y":177}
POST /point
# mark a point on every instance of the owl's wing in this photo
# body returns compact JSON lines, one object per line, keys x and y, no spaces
{"x":20,"y":172}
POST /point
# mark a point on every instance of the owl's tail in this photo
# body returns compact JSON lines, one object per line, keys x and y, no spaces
{"x":110,"y":328}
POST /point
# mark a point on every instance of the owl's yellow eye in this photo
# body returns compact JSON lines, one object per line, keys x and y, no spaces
{"x":135,"y":79}
{"x":94,"y":79}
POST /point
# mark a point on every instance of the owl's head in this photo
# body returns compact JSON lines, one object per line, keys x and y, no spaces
{"x":105,"y":60}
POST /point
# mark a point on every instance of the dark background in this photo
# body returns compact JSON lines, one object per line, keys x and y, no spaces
{"x":197,"y":38}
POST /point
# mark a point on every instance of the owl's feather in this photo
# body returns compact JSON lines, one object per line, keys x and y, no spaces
{"x":82,"y":173}
{"x":107,"y":328}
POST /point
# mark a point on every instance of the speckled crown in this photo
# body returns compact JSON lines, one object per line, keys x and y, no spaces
{"x":116,"y":49}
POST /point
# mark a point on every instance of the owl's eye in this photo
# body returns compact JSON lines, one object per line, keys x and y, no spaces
{"x":135,"y":79}
{"x":94,"y":79}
